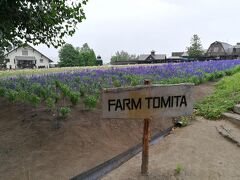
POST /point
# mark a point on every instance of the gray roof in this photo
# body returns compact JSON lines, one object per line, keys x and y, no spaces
{"x":26,"y":58}
{"x":159,"y":56}
{"x":227,"y":47}
{"x":143,"y":57}
{"x":32,"y":48}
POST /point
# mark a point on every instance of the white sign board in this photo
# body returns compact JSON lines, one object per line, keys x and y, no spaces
{"x":148,"y":101}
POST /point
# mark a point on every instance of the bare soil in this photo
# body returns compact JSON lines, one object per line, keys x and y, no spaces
{"x":31,"y":148}
{"x":199,"y":150}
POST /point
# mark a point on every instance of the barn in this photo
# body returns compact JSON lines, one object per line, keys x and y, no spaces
{"x":222,"y":50}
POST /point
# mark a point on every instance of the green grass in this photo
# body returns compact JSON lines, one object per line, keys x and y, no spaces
{"x":179,"y":168}
{"x":225,"y":96}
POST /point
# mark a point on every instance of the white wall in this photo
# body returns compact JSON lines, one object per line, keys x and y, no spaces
{"x":31,"y":52}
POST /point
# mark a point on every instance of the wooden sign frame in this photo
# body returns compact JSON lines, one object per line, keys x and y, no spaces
{"x":148,"y":101}
{"x":145,"y":102}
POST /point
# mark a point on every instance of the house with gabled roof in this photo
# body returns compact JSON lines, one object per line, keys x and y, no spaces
{"x":26,"y":57}
{"x":152,"y":58}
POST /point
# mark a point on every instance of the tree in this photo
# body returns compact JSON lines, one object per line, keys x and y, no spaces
{"x":87,"y":56}
{"x":195,"y":50}
{"x":122,"y":56}
{"x":68,"y":56}
{"x":38,"y":21}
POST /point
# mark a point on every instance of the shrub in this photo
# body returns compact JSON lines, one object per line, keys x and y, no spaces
{"x":36,"y":88}
{"x":90,"y":102}
{"x":50,"y":102}
{"x":34,"y":100}
{"x":219,"y":74}
{"x":74,"y":97}
{"x":23,"y":96}
{"x":12,"y":95}
{"x":116,"y":83}
{"x":2,"y":92}
{"x":195,"y":80}
{"x":209,"y":77}
{"x":82,"y":90}
{"x":134,"y":82}
{"x":64,"y":89}
{"x":64,"y":112}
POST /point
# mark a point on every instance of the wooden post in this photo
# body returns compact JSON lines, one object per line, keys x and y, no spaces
{"x":146,"y":137}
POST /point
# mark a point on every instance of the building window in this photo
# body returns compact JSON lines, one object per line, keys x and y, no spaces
{"x":41,"y":60}
{"x":7,"y":60}
{"x":25,"y":52}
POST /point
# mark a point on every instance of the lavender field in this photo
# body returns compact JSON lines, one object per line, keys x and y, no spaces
{"x":59,"y":91}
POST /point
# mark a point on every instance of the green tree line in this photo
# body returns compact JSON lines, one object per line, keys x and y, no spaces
{"x":70,"y":56}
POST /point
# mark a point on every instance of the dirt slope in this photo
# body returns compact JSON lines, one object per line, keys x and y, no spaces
{"x":30,"y":148}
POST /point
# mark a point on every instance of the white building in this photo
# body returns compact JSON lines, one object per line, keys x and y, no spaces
{"x":26,"y":57}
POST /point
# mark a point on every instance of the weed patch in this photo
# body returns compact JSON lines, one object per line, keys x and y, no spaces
{"x":226,"y":95}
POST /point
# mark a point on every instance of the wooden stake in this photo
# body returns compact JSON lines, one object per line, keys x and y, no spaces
{"x":146,"y":137}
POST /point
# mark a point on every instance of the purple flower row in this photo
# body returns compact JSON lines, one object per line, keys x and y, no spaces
{"x":93,"y":79}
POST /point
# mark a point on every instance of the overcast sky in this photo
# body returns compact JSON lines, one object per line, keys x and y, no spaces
{"x":139,"y":26}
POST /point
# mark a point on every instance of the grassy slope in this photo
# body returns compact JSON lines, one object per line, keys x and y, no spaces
{"x":226,"y":95}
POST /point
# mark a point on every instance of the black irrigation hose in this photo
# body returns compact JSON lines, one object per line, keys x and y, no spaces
{"x":99,"y":171}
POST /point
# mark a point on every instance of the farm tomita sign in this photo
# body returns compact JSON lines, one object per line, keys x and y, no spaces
{"x":148,"y":101}
{"x":145,"y":102}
